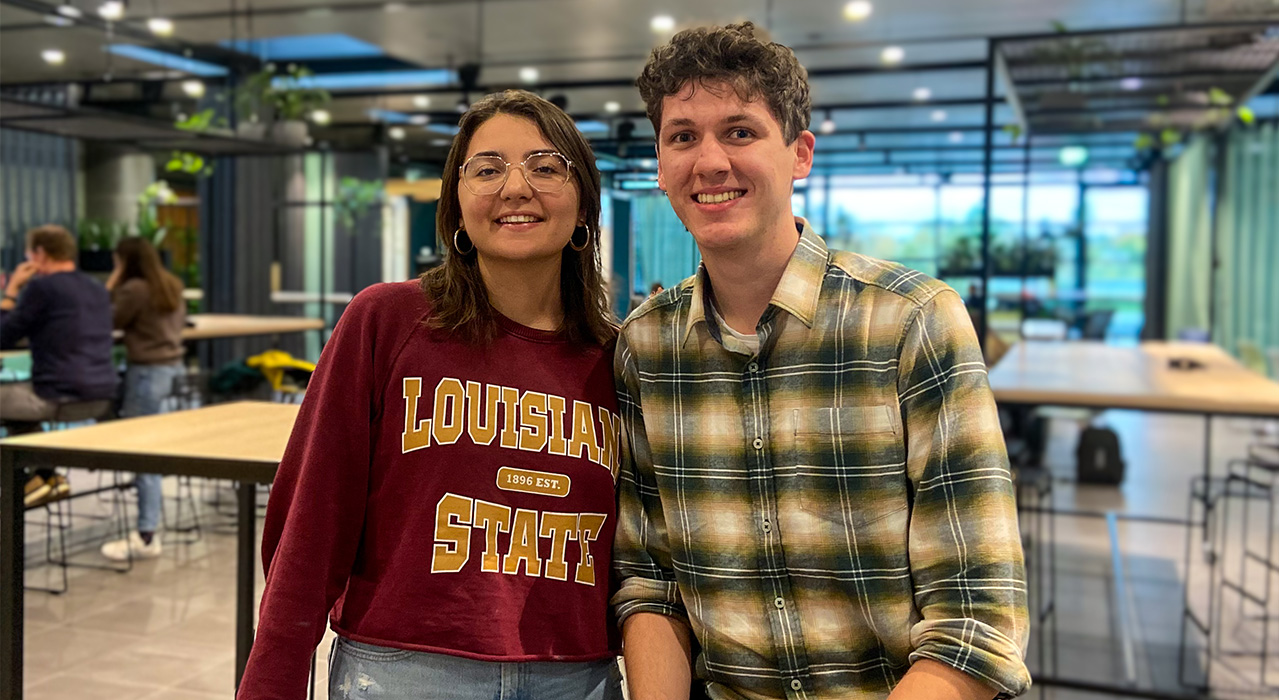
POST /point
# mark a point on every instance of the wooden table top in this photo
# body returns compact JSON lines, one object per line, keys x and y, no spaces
{"x":1104,"y":376}
{"x":208,"y":326}
{"x":239,"y":325}
{"x":243,"y":431}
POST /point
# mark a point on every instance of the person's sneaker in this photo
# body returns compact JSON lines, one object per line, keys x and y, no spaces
{"x":36,"y":491}
{"x":59,"y":488}
{"x":118,"y":550}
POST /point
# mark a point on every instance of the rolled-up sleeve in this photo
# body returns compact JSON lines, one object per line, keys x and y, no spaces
{"x":965,"y":548}
{"x":641,"y":548}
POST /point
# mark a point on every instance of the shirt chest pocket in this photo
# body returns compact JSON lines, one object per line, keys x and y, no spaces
{"x":849,"y":463}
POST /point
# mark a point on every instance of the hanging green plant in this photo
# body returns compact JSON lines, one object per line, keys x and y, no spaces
{"x":188,"y":162}
{"x":354,"y":198}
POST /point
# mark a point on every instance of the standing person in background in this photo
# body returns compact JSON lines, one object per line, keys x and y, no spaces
{"x":814,"y":484}
{"x":65,"y":315}
{"x":148,"y":306}
{"x":447,"y":496}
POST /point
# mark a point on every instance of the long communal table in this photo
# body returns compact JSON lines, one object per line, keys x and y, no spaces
{"x":241,"y":442}
{"x":1157,"y":377}
{"x":213,"y":326}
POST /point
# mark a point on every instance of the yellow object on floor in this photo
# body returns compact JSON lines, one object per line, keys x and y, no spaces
{"x":273,"y":363}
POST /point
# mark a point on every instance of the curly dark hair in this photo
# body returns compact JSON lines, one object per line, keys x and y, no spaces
{"x":731,"y":54}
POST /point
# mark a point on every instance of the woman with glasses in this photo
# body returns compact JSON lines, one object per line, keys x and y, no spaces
{"x":447,"y":493}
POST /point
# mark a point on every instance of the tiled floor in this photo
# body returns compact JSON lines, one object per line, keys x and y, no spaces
{"x":165,"y":629}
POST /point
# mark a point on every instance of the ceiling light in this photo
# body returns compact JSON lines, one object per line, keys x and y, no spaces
{"x":956,"y":137}
{"x":858,"y":10}
{"x":938,"y":115}
{"x":1073,"y":156}
{"x":462,"y":106}
{"x":395,"y":7}
{"x":528,"y":75}
{"x":662,"y":23}
{"x":111,"y":10}
{"x":53,"y":57}
{"x":441,"y":143}
{"x":422,"y":101}
{"x":612,"y":107}
{"x":396,"y":132}
{"x":828,"y":125}
{"x":160,"y":26}
{"x":58,"y":20}
{"x":193,"y":88}
{"x":69,"y":10}
{"x":420,"y":119}
{"x":321,"y":116}
{"x":1130,"y":83}
{"x":923,"y":94}
{"x":892,"y":55}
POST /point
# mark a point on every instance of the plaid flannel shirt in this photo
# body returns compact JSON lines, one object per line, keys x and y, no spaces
{"x":830,"y":510}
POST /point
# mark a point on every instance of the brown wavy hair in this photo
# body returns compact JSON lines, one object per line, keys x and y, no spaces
{"x":756,"y":68}
{"x":141,"y":261}
{"x":459,"y":300}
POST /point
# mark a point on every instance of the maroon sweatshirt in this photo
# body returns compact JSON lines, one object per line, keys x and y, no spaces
{"x":441,"y":497}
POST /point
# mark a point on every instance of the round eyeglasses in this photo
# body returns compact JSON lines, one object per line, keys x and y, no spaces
{"x":544,"y":172}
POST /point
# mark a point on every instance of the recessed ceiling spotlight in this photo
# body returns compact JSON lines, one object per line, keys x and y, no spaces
{"x":58,"y":20}
{"x":321,"y":116}
{"x":956,"y":137}
{"x":422,"y":101}
{"x":828,"y":125}
{"x":612,"y":107}
{"x":1130,"y":83}
{"x":111,"y":10}
{"x":528,"y":75}
{"x":420,"y":119}
{"x":938,"y":115}
{"x":662,"y":23}
{"x":193,"y":88}
{"x":53,"y":57}
{"x":396,"y":132}
{"x":441,"y":143}
{"x":395,"y":7}
{"x":160,"y":26}
{"x":69,"y":10}
{"x":858,"y":10}
{"x":922,"y":94}
{"x":892,"y":55}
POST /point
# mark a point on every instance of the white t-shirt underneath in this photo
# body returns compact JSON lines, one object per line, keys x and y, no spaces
{"x":736,"y":342}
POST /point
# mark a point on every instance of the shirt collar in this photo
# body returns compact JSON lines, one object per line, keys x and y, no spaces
{"x":797,"y":291}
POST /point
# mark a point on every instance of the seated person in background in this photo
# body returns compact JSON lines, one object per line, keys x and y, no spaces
{"x":148,"y":307}
{"x":65,"y":315}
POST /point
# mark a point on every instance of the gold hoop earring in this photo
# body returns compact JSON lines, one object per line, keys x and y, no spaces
{"x":585,"y":244}
{"x":457,"y":247}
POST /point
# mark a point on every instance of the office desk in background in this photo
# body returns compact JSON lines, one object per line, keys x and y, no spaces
{"x":215,"y":326}
{"x":242,"y":442}
{"x":1097,"y":376}
{"x":1094,"y":375}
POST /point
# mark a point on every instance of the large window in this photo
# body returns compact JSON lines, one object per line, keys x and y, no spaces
{"x":1038,"y":237}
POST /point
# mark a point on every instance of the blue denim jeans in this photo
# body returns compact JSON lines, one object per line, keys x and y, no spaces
{"x":359,"y":671}
{"x":145,"y":389}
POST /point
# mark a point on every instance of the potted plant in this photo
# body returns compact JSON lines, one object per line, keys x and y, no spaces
{"x":291,"y":99}
{"x":97,"y":239}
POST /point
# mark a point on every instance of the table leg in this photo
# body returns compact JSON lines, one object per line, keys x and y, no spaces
{"x":245,"y":576}
{"x":11,"y":559}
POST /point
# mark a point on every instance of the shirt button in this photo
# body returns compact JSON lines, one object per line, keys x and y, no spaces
{"x":754,"y":367}
{"x":780,"y":604}
{"x":768,"y":526}
{"x":795,"y":684}
{"x":758,"y":444}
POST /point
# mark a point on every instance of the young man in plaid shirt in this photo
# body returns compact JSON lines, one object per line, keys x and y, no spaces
{"x":814,"y":499}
